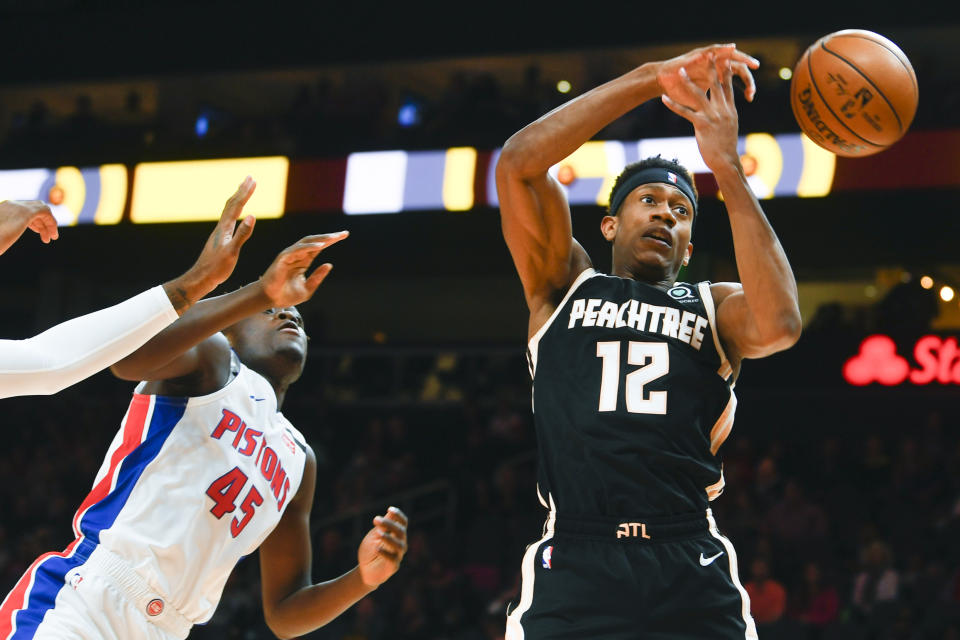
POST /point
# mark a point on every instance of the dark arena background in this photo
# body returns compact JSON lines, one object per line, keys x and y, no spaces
{"x":138,"y":119}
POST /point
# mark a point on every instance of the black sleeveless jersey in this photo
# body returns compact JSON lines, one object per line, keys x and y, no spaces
{"x":632,"y":398}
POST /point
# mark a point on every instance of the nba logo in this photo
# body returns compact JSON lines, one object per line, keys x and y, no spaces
{"x":672,"y":177}
{"x":74,"y":579}
{"x":547,"y":557}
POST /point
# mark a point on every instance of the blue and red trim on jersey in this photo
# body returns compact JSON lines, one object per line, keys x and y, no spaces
{"x":149,"y":422}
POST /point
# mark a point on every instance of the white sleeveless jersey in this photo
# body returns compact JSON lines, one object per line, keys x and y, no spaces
{"x":191,"y":485}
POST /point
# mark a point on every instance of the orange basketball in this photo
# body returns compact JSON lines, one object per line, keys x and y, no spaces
{"x":854,"y":92}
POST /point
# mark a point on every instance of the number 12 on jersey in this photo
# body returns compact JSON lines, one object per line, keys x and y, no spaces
{"x":653,"y":358}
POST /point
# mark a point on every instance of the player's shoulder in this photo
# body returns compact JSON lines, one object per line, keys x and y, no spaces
{"x":720,"y":291}
{"x":581,"y":269}
{"x":201,"y":370}
{"x":708,"y":293}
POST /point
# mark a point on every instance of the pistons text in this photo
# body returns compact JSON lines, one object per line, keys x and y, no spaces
{"x":249,"y":441}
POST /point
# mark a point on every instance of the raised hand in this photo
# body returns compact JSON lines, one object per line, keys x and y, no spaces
{"x":286,"y":282}
{"x":16,"y":216}
{"x":699,"y":65}
{"x":381,"y":550}
{"x":41,"y":221}
{"x":222,"y":249}
{"x":219,"y":255}
{"x":712,"y":112}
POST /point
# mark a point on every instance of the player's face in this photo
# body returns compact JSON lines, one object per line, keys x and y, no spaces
{"x":652,"y":229}
{"x":275,"y":333}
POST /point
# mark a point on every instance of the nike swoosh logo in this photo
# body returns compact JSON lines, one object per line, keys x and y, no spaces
{"x":258,"y":399}
{"x":705,"y":561}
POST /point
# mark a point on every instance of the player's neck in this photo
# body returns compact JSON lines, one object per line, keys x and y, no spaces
{"x":281,"y":394}
{"x":278,"y":374}
{"x":647,"y":274}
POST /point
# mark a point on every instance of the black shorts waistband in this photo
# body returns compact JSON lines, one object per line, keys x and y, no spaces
{"x":634,"y":529}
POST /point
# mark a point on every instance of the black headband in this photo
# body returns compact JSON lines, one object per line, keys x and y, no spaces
{"x":646,"y":176}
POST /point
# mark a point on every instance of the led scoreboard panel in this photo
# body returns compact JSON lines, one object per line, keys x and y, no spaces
{"x":77,"y":195}
{"x":195,"y":190}
{"x":455,"y":179}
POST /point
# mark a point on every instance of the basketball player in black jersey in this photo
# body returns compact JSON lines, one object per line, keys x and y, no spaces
{"x":633,"y":372}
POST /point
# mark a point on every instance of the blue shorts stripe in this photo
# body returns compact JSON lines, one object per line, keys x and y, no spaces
{"x":47,"y":583}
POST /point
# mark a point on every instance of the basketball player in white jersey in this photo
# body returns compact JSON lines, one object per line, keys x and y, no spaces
{"x":204,"y":470}
{"x":80,"y":347}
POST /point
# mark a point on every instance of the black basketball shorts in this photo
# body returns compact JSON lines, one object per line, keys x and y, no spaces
{"x":643,"y":579}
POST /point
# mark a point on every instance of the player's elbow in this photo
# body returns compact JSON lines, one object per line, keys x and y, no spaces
{"x":792,"y":327}
{"x":279,"y":626}
{"x":515,"y":159}
{"x":280,"y":634}
{"x":507,"y":162}
{"x":125,"y":370}
{"x":276,"y":626}
{"x":785,"y":333}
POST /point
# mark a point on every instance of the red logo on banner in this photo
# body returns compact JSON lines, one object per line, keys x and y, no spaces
{"x":878,"y":361}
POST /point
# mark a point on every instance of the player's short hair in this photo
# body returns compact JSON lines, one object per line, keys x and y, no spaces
{"x":634,"y":168}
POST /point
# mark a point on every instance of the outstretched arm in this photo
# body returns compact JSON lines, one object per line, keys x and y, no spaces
{"x":535,"y":215}
{"x":78,"y":348}
{"x":16,"y":216}
{"x":192,"y":346}
{"x":292,"y":604}
{"x":762,"y":315}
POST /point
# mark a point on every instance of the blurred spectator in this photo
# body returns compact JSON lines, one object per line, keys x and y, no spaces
{"x":506,"y":424}
{"x":815,"y":602}
{"x":82,"y":119}
{"x":484,"y":542}
{"x":739,"y":461}
{"x":536,"y":97}
{"x":767,"y":483}
{"x":412,"y":623}
{"x":334,"y":557}
{"x":367,"y":623}
{"x":798,"y":525}
{"x":347,"y":110}
{"x":875,"y":464}
{"x":440,"y":383}
{"x":877,"y":582}
{"x":739,"y":515}
{"x":30,"y":134}
{"x":907,"y":310}
{"x":768,"y":598}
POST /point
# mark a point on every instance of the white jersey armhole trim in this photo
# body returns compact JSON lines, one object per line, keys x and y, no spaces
{"x":214,"y":396}
{"x":534,"y":342}
{"x":725,"y":370}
